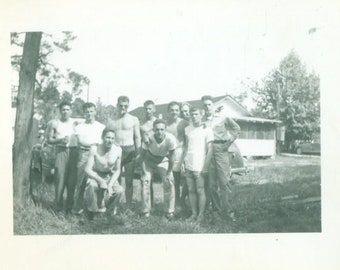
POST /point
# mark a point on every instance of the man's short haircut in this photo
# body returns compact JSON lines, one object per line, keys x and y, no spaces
{"x":195,"y":109}
{"x":204,"y":98}
{"x":185,"y":104}
{"x":107,"y":130}
{"x":148,"y":102}
{"x":159,"y":121}
{"x":88,"y":105}
{"x":123,"y":99}
{"x":64,"y":103}
{"x":174,"y":103}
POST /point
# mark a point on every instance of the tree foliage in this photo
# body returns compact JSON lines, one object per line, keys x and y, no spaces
{"x":291,"y":95}
{"x":50,"y":80}
{"x":104,"y":113}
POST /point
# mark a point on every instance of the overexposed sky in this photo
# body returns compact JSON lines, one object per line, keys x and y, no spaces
{"x":166,"y":53}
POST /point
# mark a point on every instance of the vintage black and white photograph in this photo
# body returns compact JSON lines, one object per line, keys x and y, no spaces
{"x":169,"y":134}
{"x":186,"y":124}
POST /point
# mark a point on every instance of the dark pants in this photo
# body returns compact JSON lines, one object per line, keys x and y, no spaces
{"x":65,"y":175}
{"x":219,"y":179}
{"x":81,"y":179}
{"x":128,"y":163}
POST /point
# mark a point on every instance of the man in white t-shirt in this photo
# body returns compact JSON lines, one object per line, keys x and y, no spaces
{"x":157,"y":156}
{"x":61,"y":134}
{"x":88,"y":133}
{"x":197,"y":154}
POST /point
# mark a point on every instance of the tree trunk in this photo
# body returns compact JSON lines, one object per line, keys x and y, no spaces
{"x":24,"y":114}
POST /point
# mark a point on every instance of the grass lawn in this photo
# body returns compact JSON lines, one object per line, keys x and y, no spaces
{"x":277,"y":196}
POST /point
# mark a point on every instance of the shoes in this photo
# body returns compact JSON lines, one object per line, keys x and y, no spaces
{"x":191,"y":219}
{"x":231,"y":215}
{"x":169,"y":216}
{"x":146,"y":215}
{"x":79,"y":212}
{"x":102,"y":210}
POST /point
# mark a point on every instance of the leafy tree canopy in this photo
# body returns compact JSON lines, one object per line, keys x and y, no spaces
{"x":50,"y":80}
{"x":290,"y":94}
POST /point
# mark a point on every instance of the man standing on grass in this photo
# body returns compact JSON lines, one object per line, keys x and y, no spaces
{"x":88,"y":134}
{"x":157,"y":156}
{"x":225,"y":132}
{"x":197,"y":155}
{"x":128,"y":137}
{"x":61,"y":134}
{"x":176,"y":126}
{"x":147,"y":125}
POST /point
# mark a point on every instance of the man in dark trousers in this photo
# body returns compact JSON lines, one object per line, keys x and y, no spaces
{"x":225,"y":132}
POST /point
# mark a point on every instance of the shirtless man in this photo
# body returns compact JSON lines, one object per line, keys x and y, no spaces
{"x":61,"y":134}
{"x":103,"y":169}
{"x":88,"y":134}
{"x":176,"y":126}
{"x":147,"y":125}
{"x":127,"y":133}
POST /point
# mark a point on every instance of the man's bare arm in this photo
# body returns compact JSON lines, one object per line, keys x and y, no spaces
{"x":171,"y":161}
{"x":51,"y":129}
{"x":116,"y":173}
{"x":89,"y":168}
{"x":137,"y":136}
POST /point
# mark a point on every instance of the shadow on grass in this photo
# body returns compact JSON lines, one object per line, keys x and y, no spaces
{"x":275,"y":205}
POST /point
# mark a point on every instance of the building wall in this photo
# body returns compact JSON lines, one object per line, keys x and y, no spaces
{"x":257,"y":139}
{"x":253,"y":147}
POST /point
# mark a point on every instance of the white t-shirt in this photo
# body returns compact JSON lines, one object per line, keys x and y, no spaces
{"x":90,"y":133}
{"x":64,"y":129}
{"x":161,"y":149}
{"x":198,"y":139}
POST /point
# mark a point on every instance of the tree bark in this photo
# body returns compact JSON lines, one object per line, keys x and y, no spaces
{"x":24,"y":115}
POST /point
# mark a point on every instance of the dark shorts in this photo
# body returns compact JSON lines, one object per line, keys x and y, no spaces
{"x":128,"y":154}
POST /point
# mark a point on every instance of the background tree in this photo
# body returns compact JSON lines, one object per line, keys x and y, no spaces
{"x":77,"y":108}
{"x":291,"y":95}
{"x":104,"y":113}
{"x":49,"y":77}
{"x":24,"y":114}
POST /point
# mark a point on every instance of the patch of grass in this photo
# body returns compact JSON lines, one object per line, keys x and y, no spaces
{"x":258,"y":199}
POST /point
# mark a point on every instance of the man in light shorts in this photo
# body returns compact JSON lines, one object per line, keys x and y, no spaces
{"x":157,"y":156}
{"x":127,"y":133}
{"x":176,"y":126}
{"x":61,"y":134}
{"x":88,"y":133}
{"x":197,"y":155}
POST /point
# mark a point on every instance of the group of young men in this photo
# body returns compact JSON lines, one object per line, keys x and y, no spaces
{"x":190,"y":141}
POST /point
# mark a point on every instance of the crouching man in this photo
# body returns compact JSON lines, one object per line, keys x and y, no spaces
{"x":157,"y":156}
{"x":103,"y":169}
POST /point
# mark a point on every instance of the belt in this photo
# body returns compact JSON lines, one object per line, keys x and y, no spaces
{"x":84,"y":148}
{"x":155,"y":156}
{"x":219,"y":141}
{"x":65,"y":147}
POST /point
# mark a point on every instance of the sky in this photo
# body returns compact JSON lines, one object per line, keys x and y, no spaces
{"x":165,"y":53}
